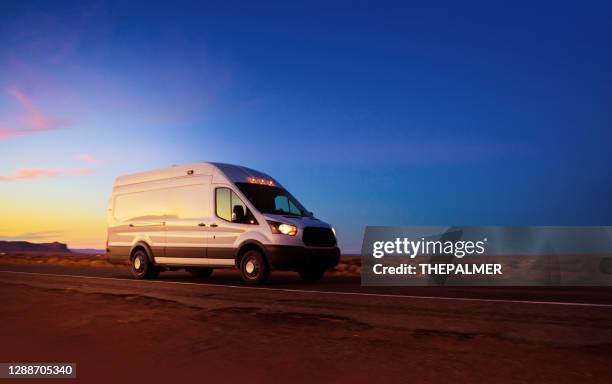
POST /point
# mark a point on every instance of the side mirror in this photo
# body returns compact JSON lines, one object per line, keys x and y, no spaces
{"x":238,"y":215}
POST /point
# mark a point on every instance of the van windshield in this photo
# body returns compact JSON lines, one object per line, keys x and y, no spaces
{"x":272,"y":200}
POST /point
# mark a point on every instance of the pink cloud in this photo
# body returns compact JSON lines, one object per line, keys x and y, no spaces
{"x":33,"y":121}
{"x":5,"y":133}
{"x":34,"y":173}
{"x":21,"y":97}
{"x":86,"y":157}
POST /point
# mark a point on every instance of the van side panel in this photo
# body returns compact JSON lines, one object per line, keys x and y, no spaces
{"x":188,"y":217}
{"x":140,"y":212}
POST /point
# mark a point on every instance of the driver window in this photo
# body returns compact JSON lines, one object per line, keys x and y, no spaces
{"x":230,"y":207}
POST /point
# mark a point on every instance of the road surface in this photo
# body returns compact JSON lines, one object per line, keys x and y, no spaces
{"x":179,"y":327}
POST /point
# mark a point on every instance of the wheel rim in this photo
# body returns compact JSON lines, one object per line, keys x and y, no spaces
{"x":251,"y":267}
{"x":138,"y":263}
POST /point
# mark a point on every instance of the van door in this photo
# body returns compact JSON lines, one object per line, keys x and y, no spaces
{"x":224,"y":229}
{"x":187,"y":223}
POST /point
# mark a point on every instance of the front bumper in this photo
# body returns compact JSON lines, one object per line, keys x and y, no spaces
{"x":295,"y":258}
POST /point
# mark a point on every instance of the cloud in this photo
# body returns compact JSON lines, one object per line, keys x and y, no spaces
{"x":35,"y":173}
{"x":86,"y":157}
{"x":33,"y":121}
{"x":5,"y":133}
{"x":22,"y":98}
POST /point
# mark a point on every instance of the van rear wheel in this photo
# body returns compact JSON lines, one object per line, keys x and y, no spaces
{"x":141,"y":267}
{"x":254,"y":268}
{"x":311,"y":275}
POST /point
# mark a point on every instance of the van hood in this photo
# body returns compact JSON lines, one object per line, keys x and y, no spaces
{"x":298,"y":221}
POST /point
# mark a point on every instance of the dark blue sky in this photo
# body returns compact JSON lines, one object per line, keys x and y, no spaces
{"x":371,"y":113}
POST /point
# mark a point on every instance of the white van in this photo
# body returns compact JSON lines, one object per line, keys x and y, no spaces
{"x":204,"y":216}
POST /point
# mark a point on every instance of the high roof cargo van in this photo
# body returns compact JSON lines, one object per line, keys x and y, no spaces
{"x":204,"y":216}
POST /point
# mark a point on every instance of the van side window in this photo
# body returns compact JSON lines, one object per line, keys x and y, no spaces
{"x":229,"y":207}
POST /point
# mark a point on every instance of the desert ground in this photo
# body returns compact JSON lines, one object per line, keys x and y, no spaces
{"x":180,"y":327}
{"x":349,"y":265}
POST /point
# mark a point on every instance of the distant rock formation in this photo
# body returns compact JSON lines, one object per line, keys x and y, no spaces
{"x":26,"y":246}
{"x":89,"y":251}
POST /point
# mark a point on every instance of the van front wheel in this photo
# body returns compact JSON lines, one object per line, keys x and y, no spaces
{"x":254,"y":268}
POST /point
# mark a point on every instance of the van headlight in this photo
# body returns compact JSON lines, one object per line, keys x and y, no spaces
{"x":282,"y":228}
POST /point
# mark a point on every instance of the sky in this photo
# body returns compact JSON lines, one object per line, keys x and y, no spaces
{"x":370,"y":113}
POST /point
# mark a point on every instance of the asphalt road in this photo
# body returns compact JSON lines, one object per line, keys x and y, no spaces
{"x":345,"y":285}
{"x":331,"y":331}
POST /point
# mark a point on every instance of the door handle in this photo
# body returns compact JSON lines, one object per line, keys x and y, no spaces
{"x":201,"y":225}
{"x":147,"y":224}
{"x":214,"y":225}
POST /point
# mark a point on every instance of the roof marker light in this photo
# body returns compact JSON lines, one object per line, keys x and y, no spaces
{"x":253,"y":180}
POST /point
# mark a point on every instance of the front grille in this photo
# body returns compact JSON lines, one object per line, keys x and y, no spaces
{"x":318,"y":237}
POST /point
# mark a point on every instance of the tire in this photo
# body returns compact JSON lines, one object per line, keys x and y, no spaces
{"x":200,"y":272}
{"x":254,"y":268}
{"x":311,"y":275}
{"x":141,"y":267}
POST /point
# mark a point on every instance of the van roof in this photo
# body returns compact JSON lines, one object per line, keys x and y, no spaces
{"x":231,"y":172}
